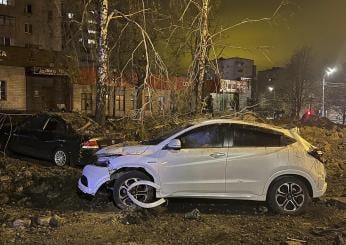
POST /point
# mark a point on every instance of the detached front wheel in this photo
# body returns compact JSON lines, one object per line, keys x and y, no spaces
{"x":288,"y":195}
{"x":142,"y":193}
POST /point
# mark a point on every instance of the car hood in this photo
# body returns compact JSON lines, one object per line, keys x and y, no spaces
{"x":115,"y":150}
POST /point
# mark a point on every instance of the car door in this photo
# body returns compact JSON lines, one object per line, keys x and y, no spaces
{"x":25,"y":139}
{"x":198,"y":168}
{"x":252,"y":156}
{"x":52,"y":136}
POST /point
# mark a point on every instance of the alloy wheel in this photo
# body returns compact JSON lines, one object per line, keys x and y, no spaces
{"x":290,"y":197}
{"x":60,"y":158}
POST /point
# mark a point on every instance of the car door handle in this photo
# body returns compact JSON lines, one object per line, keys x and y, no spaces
{"x":217,"y":154}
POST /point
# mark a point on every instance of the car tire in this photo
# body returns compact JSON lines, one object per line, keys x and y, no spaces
{"x":288,"y":195}
{"x":146,"y":194}
{"x":60,"y":157}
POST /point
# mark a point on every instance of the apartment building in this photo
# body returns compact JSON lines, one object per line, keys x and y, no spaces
{"x":30,"y":42}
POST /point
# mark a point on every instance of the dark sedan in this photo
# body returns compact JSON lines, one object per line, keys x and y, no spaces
{"x":50,"y":137}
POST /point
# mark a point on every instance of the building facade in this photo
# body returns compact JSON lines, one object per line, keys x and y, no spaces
{"x":35,"y":23}
{"x":30,"y":44}
{"x":236,"y":77}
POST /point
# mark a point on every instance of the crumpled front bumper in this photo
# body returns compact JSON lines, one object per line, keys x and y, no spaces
{"x":94,"y":178}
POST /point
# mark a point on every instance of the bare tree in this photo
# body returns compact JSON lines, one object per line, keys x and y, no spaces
{"x":298,"y":80}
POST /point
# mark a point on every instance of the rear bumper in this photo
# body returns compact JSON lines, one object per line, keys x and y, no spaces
{"x":321,"y":192}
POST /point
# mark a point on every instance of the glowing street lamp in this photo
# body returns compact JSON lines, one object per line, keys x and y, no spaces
{"x":271,"y":89}
{"x":328,"y":72}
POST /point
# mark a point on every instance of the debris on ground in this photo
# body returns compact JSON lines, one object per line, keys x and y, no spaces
{"x":194,"y":214}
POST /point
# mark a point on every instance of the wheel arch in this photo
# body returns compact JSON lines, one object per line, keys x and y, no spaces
{"x":146,"y":171}
{"x":303,"y":177}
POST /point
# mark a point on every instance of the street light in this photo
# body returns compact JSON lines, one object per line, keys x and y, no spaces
{"x":270,"y":89}
{"x":328,"y":72}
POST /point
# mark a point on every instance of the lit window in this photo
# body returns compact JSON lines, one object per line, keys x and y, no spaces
{"x":91,"y":31}
{"x":2,"y":90}
{"x":70,"y":15}
{"x":91,"y":22}
{"x":91,"y":41}
{"x":28,"y":28}
{"x":7,"y":2}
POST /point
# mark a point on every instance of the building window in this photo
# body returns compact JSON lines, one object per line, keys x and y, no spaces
{"x":50,"y":15}
{"x":86,"y":102}
{"x":6,"y":41}
{"x":132,"y":102}
{"x":120,"y":103}
{"x":2,"y":90}
{"x":70,"y":15}
{"x":161,"y":101}
{"x":91,"y":31}
{"x":28,"y":28}
{"x":7,"y":20}
{"x":91,"y":41}
{"x":28,"y":8}
{"x":7,"y":2}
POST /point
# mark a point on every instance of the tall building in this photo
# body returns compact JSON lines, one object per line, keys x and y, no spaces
{"x":30,"y":45}
{"x":35,"y":23}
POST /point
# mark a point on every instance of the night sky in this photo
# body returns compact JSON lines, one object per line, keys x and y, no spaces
{"x":320,"y":24}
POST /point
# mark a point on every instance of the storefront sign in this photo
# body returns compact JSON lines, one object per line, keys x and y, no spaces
{"x":47,"y":71}
{"x":233,"y":86}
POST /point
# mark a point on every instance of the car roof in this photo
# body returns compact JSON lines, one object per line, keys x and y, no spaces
{"x":240,"y":122}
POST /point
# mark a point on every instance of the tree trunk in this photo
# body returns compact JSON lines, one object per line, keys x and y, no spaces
{"x":102,"y":66}
{"x":202,"y":54}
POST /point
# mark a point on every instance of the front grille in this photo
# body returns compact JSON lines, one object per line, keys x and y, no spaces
{"x":84,"y":180}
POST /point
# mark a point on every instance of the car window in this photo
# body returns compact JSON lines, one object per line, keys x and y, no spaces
{"x":55,"y":125}
{"x":209,"y":136}
{"x":161,"y":138}
{"x":250,"y":136}
{"x":34,"y":123}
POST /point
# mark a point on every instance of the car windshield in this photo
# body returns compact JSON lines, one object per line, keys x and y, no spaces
{"x":161,"y":138}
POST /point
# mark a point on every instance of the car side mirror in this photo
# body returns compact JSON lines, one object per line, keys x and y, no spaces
{"x":174,"y":144}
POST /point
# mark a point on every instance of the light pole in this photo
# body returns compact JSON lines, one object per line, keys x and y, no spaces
{"x":328,"y":72}
{"x":271,"y":90}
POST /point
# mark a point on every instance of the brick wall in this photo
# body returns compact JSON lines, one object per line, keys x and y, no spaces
{"x":15,"y":88}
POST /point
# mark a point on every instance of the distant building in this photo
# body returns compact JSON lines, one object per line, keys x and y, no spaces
{"x":269,"y":78}
{"x":236,"y":78}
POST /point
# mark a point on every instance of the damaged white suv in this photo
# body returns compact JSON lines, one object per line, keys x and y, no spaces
{"x":222,"y":159}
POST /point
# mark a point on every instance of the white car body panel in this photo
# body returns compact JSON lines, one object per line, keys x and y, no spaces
{"x":195,"y":173}
{"x":236,"y":173}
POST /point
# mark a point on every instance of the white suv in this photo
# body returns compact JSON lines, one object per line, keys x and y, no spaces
{"x":222,"y":158}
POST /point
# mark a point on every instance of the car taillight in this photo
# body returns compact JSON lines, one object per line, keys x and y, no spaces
{"x":317,"y":154}
{"x":90,"y":144}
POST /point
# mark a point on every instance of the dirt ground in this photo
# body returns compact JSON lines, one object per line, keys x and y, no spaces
{"x":39,"y":204}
